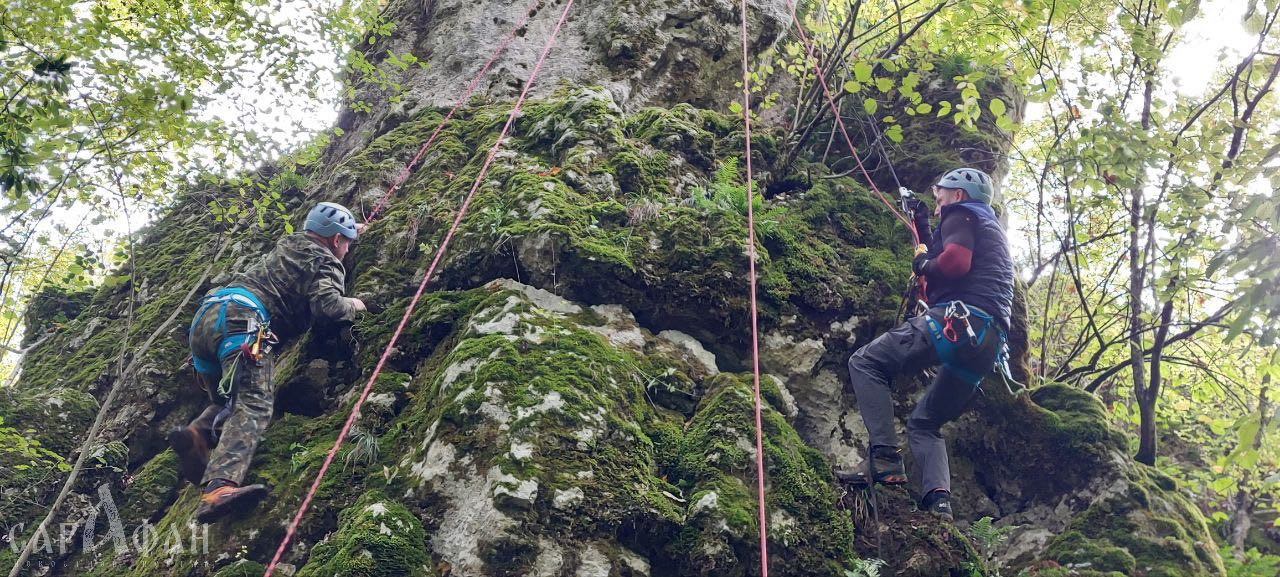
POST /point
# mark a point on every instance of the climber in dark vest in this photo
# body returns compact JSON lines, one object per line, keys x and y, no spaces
{"x":969,"y":290}
{"x":232,"y":337}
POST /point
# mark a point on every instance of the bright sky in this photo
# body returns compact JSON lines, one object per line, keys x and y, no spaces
{"x":1215,"y":38}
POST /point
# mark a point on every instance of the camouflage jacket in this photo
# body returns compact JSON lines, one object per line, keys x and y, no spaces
{"x":298,"y":281}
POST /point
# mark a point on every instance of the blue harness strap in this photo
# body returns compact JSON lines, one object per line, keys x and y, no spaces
{"x":228,"y":344}
{"x":948,"y":349}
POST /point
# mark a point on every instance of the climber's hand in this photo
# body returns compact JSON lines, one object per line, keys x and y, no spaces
{"x":917,"y":207}
{"x":372,"y":303}
{"x":918,"y":263}
{"x":358,"y":305}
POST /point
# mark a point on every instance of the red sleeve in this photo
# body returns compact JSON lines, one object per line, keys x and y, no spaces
{"x":954,"y":261}
{"x":958,"y":238}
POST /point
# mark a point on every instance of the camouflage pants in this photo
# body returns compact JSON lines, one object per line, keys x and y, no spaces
{"x":240,"y":398}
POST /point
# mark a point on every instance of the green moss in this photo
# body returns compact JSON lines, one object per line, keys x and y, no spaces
{"x":153,"y":487}
{"x":1148,"y":530}
{"x":53,"y":306}
{"x":56,"y":417}
{"x":1077,"y":417}
{"x":242,"y":568}
{"x":712,"y":461}
{"x":376,"y":537}
{"x":1074,"y":549}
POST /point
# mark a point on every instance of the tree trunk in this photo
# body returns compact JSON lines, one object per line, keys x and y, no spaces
{"x":1147,"y":401}
{"x":1242,"y":505}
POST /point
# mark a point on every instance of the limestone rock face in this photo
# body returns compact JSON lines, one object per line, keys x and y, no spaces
{"x":644,"y":53}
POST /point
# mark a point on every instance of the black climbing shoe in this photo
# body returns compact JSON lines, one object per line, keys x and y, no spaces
{"x":227,"y":499}
{"x":938,"y":504}
{"x":193,"y":452}
{"x":886,"y":466}
{"x":855,"y":478}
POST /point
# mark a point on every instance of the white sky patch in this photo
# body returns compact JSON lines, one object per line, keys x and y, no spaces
{"x":1212,"y":40}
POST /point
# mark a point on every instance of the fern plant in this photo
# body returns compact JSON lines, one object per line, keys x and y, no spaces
{"x":728,"y":195}
{"x":988,"y":539}
{"x":865,"y":568}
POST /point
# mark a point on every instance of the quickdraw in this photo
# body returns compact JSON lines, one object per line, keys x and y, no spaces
{"x":260,"y":343}
{"x":958,"y":311}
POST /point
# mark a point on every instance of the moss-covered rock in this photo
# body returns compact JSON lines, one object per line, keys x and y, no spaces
{"x":51,"y":307}
{"x":377,"y":537}
{"x":152,"y":488}
{"x":712,"y":460}
{"x":56,"y":417}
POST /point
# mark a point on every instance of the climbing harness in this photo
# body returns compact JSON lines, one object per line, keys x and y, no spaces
{"x":444,"y":245}
{"x":250,"y":342}
{"x":232,"y":341}
{"x":956,"y":342}
{"x":952,"y":350}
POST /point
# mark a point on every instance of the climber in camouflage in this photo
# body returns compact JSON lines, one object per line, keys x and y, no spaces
{"x":970,"y":292}
{"x":232,"y":336}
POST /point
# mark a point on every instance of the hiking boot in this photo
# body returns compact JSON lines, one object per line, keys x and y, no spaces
{"x":855,"y":478}
{"x":227,"y":499}
{"x":886,"y":466}
{"x":938,"y":504}
{"x":193,"y":452}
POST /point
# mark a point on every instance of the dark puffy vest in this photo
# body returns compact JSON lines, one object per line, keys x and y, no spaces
{"x":989,"y":284}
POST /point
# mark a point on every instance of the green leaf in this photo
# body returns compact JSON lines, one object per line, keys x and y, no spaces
{"x":870,"y":106}
{"x":1222,"y":484}
{"x":894,"y":133}
{"x":735,"y":107}
{"x":924,"y":108}
{"x":997,"y":107}
{"x":852,"y":87}
{"x":862,"y":71}
{"x":1248,"y":459}
{"x":884,"y":84}
{"x":1247,"y":432}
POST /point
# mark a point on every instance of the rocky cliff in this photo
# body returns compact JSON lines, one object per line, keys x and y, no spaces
{"x":570,"y":397}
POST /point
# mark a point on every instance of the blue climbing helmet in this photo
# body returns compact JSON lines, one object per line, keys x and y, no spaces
{"x":974,"y":182}
{"x":328,"y":219}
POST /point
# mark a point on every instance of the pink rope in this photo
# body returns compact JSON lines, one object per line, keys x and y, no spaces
{"x":755,"y":330}
{"x":835,"y":111}
{"x":408,"y":169}
{"x":355,"y":411}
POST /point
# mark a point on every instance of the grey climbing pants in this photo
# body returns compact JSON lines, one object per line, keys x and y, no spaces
{"x":909,"y":347}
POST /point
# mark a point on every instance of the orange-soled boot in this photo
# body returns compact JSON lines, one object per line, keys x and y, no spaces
{"x":227,"y":499}
{"x":193,"y":452}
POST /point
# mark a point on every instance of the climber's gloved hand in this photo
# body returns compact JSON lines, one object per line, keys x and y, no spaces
{"x":921,"y":258}
{"x":919,"y":215}
{"x":917,"y":207}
